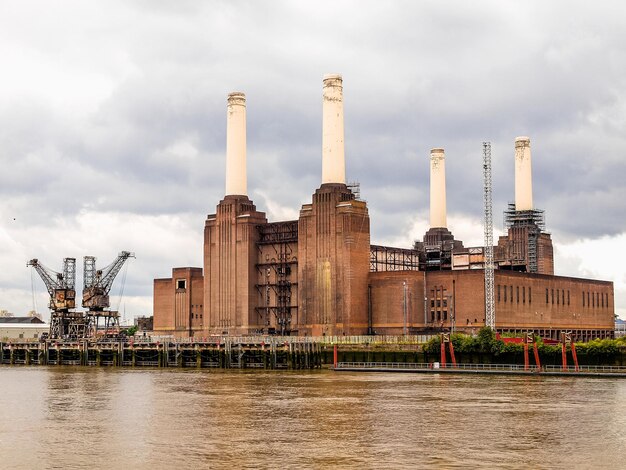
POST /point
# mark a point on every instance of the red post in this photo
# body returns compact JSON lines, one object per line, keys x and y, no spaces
{"x":564,"y":355}
{"x":443,"y":353}
{"x":526,"y":361}
{"x":574,"y":357}
{"x":335,"y":356}
{"x":536,"y":350}
{"x":452,"y":354}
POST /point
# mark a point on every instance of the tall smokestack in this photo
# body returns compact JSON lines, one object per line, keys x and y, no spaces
{"x":333,"y":159}
{"x":438,"y":189}
{"x":523,"y":175}
{"x":236,"y":177}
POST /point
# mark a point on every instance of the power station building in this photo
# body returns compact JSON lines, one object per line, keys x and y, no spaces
{"x":320,"y":275}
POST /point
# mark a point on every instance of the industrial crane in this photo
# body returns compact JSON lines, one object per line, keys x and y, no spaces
{"x":61,"y":287}
{"x":96,"y":287}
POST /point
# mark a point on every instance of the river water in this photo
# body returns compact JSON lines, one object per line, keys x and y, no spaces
{"x":71,"y":417}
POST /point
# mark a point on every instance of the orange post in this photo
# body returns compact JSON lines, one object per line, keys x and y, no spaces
{"x":564,"y":355}
{"x":536,"y":351}
{"x":335,"y":356}
{"x":452,"y":354}
{"x":526,"y":361}
{"x":443,"y":353}
{"x":574,"y":357}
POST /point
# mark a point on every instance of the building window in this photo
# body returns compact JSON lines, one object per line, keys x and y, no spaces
{"x":530,"y":295}
{"x":567,"y":296}
{"x":511,"y":291}
{"x":181,"y":283}
{"x":517,"y":293}
{"x":547,"y":300}
{"x":552,"y":295}
{"x":498,"y":292}
{"x":588,"y":303}
{"x":562,"y":296}
{"x":557,"y":297}
{"x":593,"y":300}
{"x":523,"y":294}
{"x":505,"y":289}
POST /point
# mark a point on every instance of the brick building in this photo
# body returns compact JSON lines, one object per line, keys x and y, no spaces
{"x":320,"y":275}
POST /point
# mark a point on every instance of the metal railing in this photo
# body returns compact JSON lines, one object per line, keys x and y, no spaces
{"x":588,"y":369}
{"x":433,"y":366}
{"x":273,"y":339}
{"x":256,"y":339}
{"x":481,"y":367}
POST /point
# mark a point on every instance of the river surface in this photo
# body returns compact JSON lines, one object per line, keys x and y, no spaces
{"x":72,"y":417}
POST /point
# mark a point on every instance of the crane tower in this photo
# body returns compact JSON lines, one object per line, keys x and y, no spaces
{"x":96,"y":287}
{"x":490,"y":312}
{"x":64,"y":321}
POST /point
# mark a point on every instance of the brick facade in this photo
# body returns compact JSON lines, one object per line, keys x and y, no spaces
{"x":178,"y":302}
{"x":230,"y":256}
{"x":312,"y":277}
{"x":333,"y":267}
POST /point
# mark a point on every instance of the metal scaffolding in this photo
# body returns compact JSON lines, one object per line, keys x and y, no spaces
{"x":386,"y":258}
{"x":355,"y":188}
{"x":490,"y":311}
{"x":276,"y":274}
{"x":532,"y":223}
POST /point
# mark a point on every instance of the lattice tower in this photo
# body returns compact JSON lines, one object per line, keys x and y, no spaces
{"x":490,"y":312}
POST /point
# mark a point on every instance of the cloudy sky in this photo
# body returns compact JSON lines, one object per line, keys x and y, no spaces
{"x":112,"y":123}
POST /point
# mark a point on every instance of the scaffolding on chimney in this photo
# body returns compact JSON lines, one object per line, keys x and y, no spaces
{"x":533,"y":223}
{"x":355,"y":188}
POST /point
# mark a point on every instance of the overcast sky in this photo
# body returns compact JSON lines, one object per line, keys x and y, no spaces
{"x":113,"y":114}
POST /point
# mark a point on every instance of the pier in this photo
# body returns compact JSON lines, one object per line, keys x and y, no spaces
{"x":224,"y":353}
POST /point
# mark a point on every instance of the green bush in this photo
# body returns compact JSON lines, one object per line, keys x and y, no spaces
{"x":131,"y":331}
{"x":485,"y":343}
{"x":599,"y":348}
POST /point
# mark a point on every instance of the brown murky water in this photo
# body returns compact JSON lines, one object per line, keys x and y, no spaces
{"x":105,"y":418}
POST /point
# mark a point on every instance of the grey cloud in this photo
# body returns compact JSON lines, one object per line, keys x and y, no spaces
{"x":416,"y":76}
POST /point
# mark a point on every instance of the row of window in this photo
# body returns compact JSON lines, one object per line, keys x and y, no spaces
{"x":596,"y":299}
{"x":550,"y":295}
{"x":507,"y":294}
{"x":553,"y":296}
{"x":439,"y":304}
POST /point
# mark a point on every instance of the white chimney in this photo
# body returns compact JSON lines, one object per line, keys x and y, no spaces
{"x":236,"y":176}
{"x":523,"y":175}
{"x":333,"y":159}
{"x":438,"y":189}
